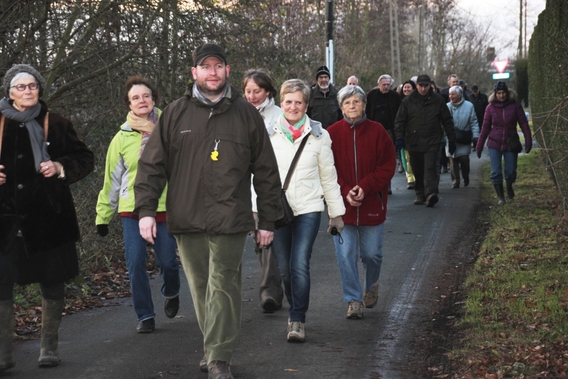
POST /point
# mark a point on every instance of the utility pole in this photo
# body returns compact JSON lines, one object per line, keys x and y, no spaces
{"x":421,"y":48}
{"x":520,"y":47}
{"x":526,"y":11}
{"x":329,"y":34}
{"x":395,"y":50}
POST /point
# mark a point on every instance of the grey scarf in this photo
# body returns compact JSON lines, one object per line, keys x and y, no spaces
{"x":206,"y":101}
{"x":39,"y":146}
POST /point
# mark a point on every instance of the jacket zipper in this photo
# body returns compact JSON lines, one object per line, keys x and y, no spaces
{"x":355,"y":158}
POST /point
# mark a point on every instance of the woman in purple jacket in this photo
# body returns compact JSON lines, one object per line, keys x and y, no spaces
{"x":500,"y":121}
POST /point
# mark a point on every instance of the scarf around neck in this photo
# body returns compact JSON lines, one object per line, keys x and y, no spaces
{"x":267,"y":102}
{"x":28,"y":117}
{"x":292,"y":132}
{"x":143,"y":125}
{"x":206,"y":101}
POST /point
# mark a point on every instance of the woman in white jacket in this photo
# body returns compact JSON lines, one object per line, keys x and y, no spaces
{"x":260,"y":91}
{"x":313,"y":180}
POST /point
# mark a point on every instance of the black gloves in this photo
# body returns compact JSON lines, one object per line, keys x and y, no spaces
{"x":102,"y":229}
{"x":452,"y":147}
{"x":528,"y":148}
{"x":399,"y":144}
{"x":479,"y":153}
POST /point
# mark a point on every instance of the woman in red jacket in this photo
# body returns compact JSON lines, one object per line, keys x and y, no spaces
{"x":365,"y":161}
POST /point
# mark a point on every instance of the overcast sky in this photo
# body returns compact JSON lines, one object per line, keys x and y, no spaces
{"x":503,"y":17}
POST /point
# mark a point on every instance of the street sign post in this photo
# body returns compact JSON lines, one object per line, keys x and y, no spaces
{"x":501,"y":75}
{"x":500,"y":66}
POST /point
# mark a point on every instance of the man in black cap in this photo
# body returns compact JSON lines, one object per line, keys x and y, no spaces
{"x":323,"y":106}
{"x":205,"y":146}
{"x":480,"y":102}
{"x":417,"y":129}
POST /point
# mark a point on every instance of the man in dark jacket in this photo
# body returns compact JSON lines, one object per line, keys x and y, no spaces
{"x":480,"y":102}
{"x":382,"y":105}
{"x":205,"y":145}
{"x":453,"y":80}
{"x":418,"y":128}
{"x":323,"y":106}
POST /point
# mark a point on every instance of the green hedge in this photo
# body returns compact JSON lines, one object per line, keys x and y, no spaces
{"x":548,"y":78}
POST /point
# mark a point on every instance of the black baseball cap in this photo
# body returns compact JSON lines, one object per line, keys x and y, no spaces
{"x":423,"y":79}
{"x":208,"y":50}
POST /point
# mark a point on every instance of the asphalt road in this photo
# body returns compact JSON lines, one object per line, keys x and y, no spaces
{"x":102,"y":343}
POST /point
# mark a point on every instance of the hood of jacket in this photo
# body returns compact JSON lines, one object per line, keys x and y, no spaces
{"x":512,"y":97}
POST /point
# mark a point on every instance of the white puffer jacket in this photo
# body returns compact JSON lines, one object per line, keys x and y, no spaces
{"x":270,"y":114}
{"x":315,"y":177}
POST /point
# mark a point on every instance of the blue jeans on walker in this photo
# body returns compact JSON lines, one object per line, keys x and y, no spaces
{"x":495,"y":157}
{"x":293,"y":248}
{"x":359,"y":241}
{"x":135,"y":252}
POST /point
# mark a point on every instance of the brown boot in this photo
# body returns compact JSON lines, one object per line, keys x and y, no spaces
{"x":6,"y":335}
{"x":51,"y":318}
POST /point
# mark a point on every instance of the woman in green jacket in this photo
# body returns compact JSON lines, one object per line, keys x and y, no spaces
{"x":117,"y":195}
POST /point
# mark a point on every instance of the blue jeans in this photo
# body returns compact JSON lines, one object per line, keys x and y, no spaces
{"x":359,"y":241}
{"x":135,"y":252}
{"x":293,"y":248}
{"x":495,"y":157}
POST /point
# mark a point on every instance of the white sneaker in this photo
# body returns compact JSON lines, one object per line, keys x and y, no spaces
{"x":355,"y":310}
{"x":296,"y":332}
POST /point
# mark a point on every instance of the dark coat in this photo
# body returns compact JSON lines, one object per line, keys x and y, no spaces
{"x":480,"y":102}
{"x":323,"y":107}
{"x":422,"y":120}
{"x":383,"y":108}
{"x":206,"y":195}
{"x":42,"y":209}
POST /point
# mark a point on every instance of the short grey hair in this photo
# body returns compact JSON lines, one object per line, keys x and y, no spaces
{"x":294,"y":85}
{"x":458,"y":90}
{"x":348,"y":91}
{"x":386,"y":76}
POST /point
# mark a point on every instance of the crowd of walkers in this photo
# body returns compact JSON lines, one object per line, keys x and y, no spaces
{"x":217,"y":165}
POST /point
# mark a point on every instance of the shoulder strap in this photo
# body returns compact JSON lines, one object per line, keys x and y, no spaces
{"x":295,"y":162}
{"x":2,"y":120}
{"x":45,"y":126}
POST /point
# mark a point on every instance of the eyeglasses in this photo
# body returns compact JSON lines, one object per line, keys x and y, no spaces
{"x":22,"y":87}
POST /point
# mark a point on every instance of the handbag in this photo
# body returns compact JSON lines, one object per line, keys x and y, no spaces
{"x":288,"y":216}
{"x":463,"y":137}
{"x":514,"y":143}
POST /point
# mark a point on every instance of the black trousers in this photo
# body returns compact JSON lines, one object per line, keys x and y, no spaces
{"x":425,"y":171}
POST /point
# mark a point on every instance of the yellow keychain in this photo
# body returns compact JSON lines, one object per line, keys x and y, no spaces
{"x":215,"y":152}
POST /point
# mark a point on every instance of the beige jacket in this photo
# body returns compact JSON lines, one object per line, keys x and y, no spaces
{"x":314,"y":178}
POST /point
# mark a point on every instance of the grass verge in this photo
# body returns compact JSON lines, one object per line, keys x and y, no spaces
{"x":515,"y":322}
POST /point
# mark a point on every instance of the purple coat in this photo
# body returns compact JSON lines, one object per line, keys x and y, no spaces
{"x":500,"y":121}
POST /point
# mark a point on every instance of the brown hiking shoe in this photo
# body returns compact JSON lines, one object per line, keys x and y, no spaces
{"x":370,"y":298}
{"x":219,"y":370}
